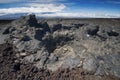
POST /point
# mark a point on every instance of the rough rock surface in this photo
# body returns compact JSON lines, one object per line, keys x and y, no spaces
{"x":92,"y":46}
{"x":12,"y":69}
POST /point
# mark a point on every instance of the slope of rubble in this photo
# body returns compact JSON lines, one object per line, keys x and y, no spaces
{"x":12,"y":69}
{"x":91,"y":47}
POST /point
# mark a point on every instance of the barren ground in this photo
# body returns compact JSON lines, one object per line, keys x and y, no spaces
{"x":59,"y":49}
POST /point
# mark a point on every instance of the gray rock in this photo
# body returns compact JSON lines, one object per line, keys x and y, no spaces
{"x":110,"y":66}
{"x":40,"y":58}
{"x":71,"y":62}
{"x":90,"y":64}
{"x":3,"y":38}
{"x":29,"y":58}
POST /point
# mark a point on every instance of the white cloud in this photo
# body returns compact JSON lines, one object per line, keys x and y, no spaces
{"x":79,"y":15}
{"x":34,"y":8}
{"x":49,"y":6}
{"x":75,"y":15}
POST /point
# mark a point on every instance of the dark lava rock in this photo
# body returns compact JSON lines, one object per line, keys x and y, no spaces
{"x":45,"y":26}
{"x":113,"y":33}
{"x":93,"y":31}
{"x":79,"y":25}
{"x":16,"y":66}
{"x":26,"y":20}
{"x":6,"y":31}
{"x":57,"y":27}
{"x":26,"y":38}
{"x":46,"y":46}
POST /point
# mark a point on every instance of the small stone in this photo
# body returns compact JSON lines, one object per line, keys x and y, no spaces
{"x":17,"y":55}
{"x":83,"y":51}
{"x":108,"y":53}
{"x":88,"y":35}
{"x":101,"y":62}
{"x":90,"y":65}
{"x":81,"y":62}
{"x":65,"y":50}
{"x":23,"y":54}
{"x":16,"y":61}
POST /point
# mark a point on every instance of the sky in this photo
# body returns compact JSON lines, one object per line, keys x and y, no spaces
{"x":61,"y":8}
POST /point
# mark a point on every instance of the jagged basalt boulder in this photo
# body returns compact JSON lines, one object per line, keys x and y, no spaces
{"x":113,"y":33}
{"x":93,"y":31}
{"x":26,"y":20}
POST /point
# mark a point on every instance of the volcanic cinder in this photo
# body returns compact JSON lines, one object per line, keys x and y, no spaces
{"x":92,"y":45}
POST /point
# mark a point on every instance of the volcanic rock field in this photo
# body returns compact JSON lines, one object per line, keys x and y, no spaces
{"x":60,"y":49}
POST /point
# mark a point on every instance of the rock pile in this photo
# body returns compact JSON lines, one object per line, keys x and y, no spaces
{"x":91,"y":47}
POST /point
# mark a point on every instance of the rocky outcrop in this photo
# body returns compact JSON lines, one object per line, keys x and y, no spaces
{"x":12,"y":69}
{"x":89,"y":46}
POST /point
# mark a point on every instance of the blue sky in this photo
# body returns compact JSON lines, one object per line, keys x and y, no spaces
{"x":62,"y":8}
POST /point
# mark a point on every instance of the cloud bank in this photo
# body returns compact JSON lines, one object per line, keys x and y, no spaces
{"x":49,"y":8}
{"x":33,"y":8}
{"x":80,"y":15}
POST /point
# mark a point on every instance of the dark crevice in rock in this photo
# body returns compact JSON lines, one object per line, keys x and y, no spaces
{"x":56,"y":27}
{"x":112,"y":33}
{"x":6,"y":31}
{"x":67,"y":27}
{"x":16,"y":66}
{"x":46,"y":36}
{"x":12,"y":29}
{"x":52,"y":43}
{"x":39,"y":34}
{"x":78,"y":25}
{"x":93,"y":32}
{"x":45,"y":26}
{"x":102,"y":37}
{"x":26,"y":38}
